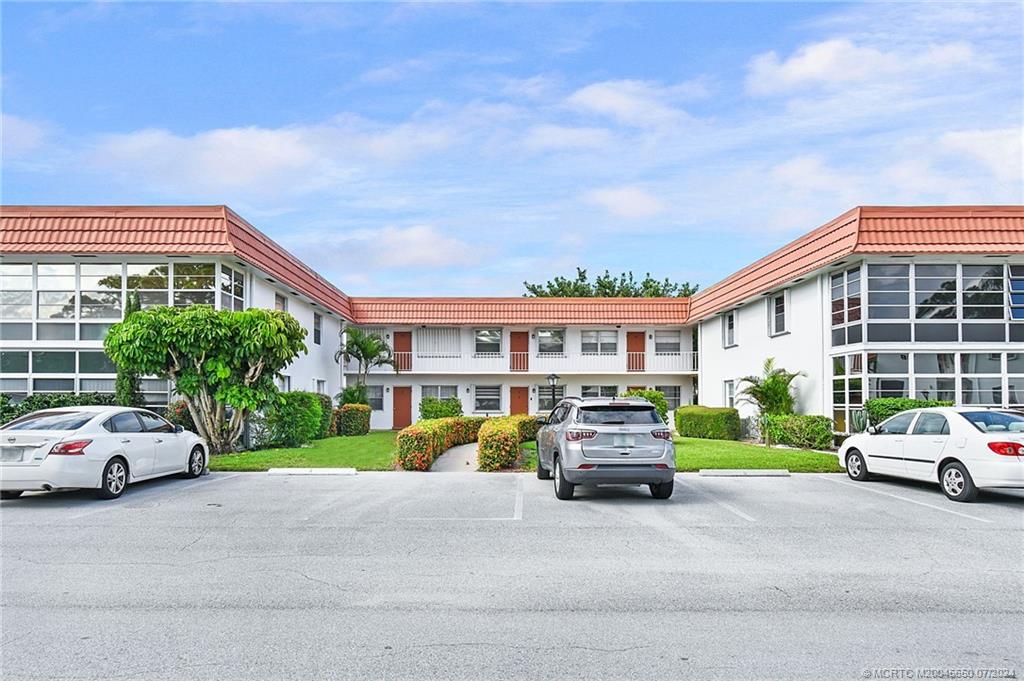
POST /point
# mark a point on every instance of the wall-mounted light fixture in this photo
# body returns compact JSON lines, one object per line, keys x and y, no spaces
{"x":387,"y":389}
{"x":650,"y":336}
{"x":467,"y":388}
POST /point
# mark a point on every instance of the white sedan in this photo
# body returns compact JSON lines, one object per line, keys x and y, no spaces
{"x":101,"y":448}
{"x":961,"y":448}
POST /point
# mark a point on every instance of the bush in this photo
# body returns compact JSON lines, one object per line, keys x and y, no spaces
{"x":422,"y":442}
{"x":178,"y":414}
{"x":354,"y":419}
{"x":655,"y":397}
{"x":353,"y":394}
{"x":800,"y":430}
{"x":436,"y":408}
{"x":294,"y":420}
{"x":713,"y":423}
{"x":881,"y":408}
{"x":326,"y":416}
{"x":9,"y":410}
{"x":499,"y":439}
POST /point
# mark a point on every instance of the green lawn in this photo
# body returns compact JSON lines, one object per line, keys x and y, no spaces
{"x":693,"y":454}
{"x":529,"y":457}
{"x":372,"y":452}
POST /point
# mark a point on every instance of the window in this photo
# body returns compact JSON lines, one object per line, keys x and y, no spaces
{"x":53,"y":385}
{"x":232,"y":289}
{"x":62,"y":420}
{"x":777,"y":314}
{"x":673,"y":394}
{"x":487,"y":398}
{"x":154,"y":391}
{"x":375,"y":396}
{"x":846,"y":307}
{"x":935,"y":292}
{"x":280,"y":303}
{"x":995,"y":421}
{"x":56,"y":294}
{"x":441,"y":392}
{"x":126,"y":422}
{"x":599,"y":342}
{"x":53,"y":362}
{"x":318,"y":323}
{"x":730,"y":393}
{"x":888,"y":292}
{"x":439,"y":342}
{"x":14,"y":362}
{"x":668,"y":342}
{"x":55,"y":331}
{"x":1017,"y":292}
{"x":550,"y":341}
{"x":887,"y":363}
{"x":983,"y":294}
{"x":154,"y":424}
{"x":931,"y":424}
{"x":544,"y":400}
{"x":935,"y":388}
{"x":284,"y":383}
{"x":729,"y":329}
{"x":897,"y":425}
{"x":609,"y":415}
{"x":981,"y":363}
{"x":194,"y":283}
{"x":15,"y":291}
{"x":599,"y":391}
{"x":152,"y":282}
{"x":320,"y":386}
{"x":487,"y":341}
{"x":101,"y":291}
{"x":95,"y":363}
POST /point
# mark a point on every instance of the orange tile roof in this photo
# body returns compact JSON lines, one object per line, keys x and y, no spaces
{"x":871,"y":230}
{"x":512,"y":311}
{"x":166,"y":230}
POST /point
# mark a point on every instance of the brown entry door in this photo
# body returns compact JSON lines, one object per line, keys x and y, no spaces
{"x":519,"y":351}
{"x":403,"y":350}
{"x":401,"y":409}
{"x":635,"y":350}
{"x":520,"y":399}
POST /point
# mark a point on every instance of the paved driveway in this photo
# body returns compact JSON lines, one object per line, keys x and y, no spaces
{"x":477,"y":576}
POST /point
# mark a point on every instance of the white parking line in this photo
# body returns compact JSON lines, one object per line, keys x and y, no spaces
{"x":517,"y":513}
{"x":145,"y":494}
{"x":712,"y":497}
{"x":901,"y":498}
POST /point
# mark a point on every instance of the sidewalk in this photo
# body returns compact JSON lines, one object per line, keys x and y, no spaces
{"x":458,"y":459}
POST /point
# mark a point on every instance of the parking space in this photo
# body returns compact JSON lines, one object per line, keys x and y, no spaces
{"x":397,"y":575}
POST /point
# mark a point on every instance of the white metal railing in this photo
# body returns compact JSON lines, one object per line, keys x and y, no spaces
{"x":403,"y":361}
{"x":546,"y":363}
{"x":519,"y":361}
{"x":636,"y":361}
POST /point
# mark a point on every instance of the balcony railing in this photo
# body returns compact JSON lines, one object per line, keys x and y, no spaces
{"x":542,"y":363}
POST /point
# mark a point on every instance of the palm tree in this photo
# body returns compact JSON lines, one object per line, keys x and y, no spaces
{"x":771,"y":392}
{"x":367,"y":349}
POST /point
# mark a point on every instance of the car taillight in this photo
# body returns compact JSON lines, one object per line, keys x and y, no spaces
{"x":1007,"y":448}
{"x":577,"y":435}
{"x":661,"y":466}
{"x":587,"y":466}
{"x":72,"y":448}
{"x":662,"y":434}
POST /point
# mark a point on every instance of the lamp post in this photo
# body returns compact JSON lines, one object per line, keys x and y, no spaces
{"x":553,"y":381}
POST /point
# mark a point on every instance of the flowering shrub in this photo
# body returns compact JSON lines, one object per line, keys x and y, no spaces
{"x":354,"y":419}
{"x":499,"y":440}
{"x":178,"y":414}
{"x":422,"y":442}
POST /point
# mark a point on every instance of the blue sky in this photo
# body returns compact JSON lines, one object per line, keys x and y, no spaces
{"x":460,"y":149}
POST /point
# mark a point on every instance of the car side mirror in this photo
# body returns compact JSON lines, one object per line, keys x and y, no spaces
{"x":179,"y":428}
{"x":542,"y":420}
{"x":872,"y":430}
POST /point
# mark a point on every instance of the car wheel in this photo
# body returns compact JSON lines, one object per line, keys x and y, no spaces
{"x":196,"y":461}
{"x":114,"y":479}
{"x":662,"y":490}
{"x":10,"y":494}
{"x":957,"y":483}
{"x":856,"y":467}
{"x":563,"y":488}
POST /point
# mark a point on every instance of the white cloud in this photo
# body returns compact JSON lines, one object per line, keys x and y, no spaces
{"x":535,"y":87}
{"x":636,"y":103}
{"x":20,"y":136}
{"x":627,"y":202}
{"x":1000,"y":151}
{"x":562,"y":138}
{"x":391,"y":73}
{"x":420,"y":246}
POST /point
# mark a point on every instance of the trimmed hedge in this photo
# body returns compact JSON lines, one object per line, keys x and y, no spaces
{"x":353,"y":419}
{"x":499,"y":439}
{"x":422,"y":442}
{"x":881,"y":408}
{"x":326,"y":416}
{"x":655,"y":397}
{"x":9,"y":410}
{"x":436,"y":408}
{"x":294,"y":420}
{"x":713,"y":423}
{"x":800,"y":430}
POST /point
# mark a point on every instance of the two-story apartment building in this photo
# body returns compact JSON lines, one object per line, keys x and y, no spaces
{"x":882,"y":301}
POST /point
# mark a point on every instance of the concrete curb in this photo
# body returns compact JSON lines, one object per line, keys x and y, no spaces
{"x":743,"y":473}
{"x":311,"y":471}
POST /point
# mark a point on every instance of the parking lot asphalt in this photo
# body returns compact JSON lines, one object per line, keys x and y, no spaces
{"x":483,"y":576}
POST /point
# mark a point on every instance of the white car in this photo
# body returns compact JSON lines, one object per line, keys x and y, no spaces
{"x":101,"y":448}
{"x":961,"y":448}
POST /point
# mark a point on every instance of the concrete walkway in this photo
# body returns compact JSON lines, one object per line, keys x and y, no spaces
{"x":458,"y":459}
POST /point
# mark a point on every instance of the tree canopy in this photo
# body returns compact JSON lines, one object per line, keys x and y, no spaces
{"x":608,"y":285}
{"x":217,"y":360}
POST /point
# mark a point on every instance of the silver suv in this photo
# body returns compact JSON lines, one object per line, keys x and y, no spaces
{"x":592,"y":441}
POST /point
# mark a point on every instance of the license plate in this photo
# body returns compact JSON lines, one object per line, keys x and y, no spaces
{"x":623,"y":440}
{"x":10,"y":453}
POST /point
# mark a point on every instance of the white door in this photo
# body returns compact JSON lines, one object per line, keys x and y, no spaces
{"x":924,"y":445}
{"x":170,"y":457}
{"x":886,"y":445}
{"x":137,"y":445}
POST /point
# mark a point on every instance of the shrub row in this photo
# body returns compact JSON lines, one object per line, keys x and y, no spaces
{"x":326,"y":416}
{"x":713,"y":423}
{"x":422,"y":442}
{"x":294,"y":420}
{"x":353,"y":419}
{"x":499,"y":439}
{"x":881,"y":408}
{"x":800,"y":430}
{"x":10,"y":410}
{"x":437,"y":408}
{"x":655,"y":397}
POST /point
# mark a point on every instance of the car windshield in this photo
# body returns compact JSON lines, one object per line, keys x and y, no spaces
{"x":618,"y":415}
{"x":52,"y":420}
{"x":995,"y":421}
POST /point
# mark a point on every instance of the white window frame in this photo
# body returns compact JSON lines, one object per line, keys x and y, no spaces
{"x":601,"y":343}
{"x":678,"y":333}
{"x":318,"y":329}
{"x":436,"y":389}
{"x":727,"y":341}
{"x":599,"y":390}
{"x":375,"y":397}
{"x":729,"y":393}
{"x":773,"y":330}
{"x":280,"y":302}
{"x":544,"y":353}
{"x":488,"y":353}
{"x":677,"y":398}
{"x":476,"y":399}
